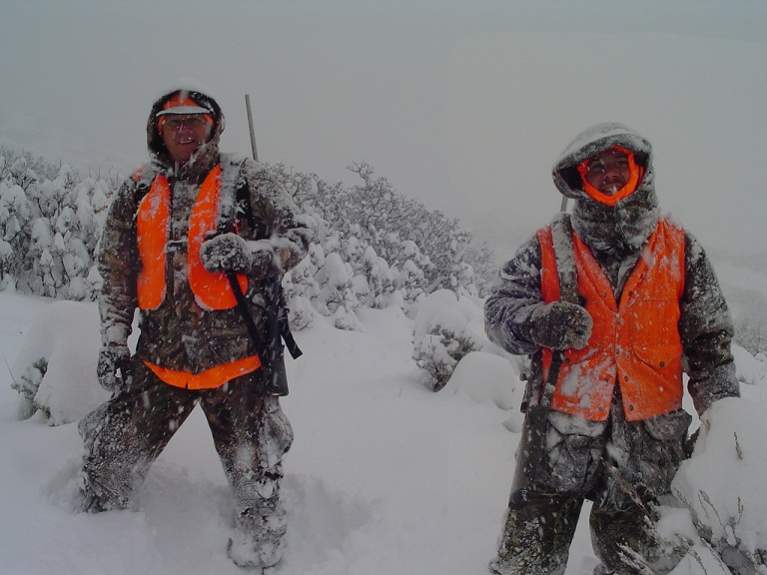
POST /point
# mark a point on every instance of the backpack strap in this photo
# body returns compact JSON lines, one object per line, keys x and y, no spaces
{"x":562,"y":238}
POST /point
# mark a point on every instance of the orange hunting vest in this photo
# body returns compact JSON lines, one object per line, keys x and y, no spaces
{"x":211,"y":289}
{"x":635,"y":341}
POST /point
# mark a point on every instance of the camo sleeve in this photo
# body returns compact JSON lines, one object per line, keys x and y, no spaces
{"x":284,"y":227}
{"x":118,"y":266}
{"x":706,"y":329}
{"x":513,"y":299}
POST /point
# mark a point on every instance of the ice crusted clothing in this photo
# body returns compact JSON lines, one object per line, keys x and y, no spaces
{"x":623,"y":463}
{"x":616,"y":236}
{"x":186,"y":339}
{"x":181,"y":334}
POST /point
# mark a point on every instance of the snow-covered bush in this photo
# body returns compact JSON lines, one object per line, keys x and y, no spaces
{"x":749,"y":369}
{"x":441,"y":336}
{"x":489,"y":378}
{"x":55,"y":370}
{"x":336,"y":297}
{"x":50,"y":221}
{"x":722,"y":484}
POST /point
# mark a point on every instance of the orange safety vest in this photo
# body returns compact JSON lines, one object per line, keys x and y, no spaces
{"x":211,"y":289}
{"x":635,"y":341}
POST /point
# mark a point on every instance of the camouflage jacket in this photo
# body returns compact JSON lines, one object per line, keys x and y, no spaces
{"x":180,"y":334}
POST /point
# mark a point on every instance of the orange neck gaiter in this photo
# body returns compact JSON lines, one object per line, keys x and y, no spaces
{"x":635,"y":175}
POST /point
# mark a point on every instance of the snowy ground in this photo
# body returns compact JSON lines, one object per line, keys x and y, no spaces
{"x":385,"y":477}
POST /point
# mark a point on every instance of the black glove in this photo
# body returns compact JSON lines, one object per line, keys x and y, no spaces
{"x":114,"y":368}
{"x":231,"y":253}
{"x":560,"y":325}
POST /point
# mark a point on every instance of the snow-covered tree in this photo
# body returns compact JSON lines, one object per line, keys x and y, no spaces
{"x":50,"y":221}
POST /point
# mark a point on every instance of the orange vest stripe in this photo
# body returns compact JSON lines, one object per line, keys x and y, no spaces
{"x":635,"y":341}
{"x":210,"y":378}
{"x":211,"y":289}
{"x":152,"y":222}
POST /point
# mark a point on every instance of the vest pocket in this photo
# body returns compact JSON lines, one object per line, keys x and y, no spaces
{"x":662,"y":449}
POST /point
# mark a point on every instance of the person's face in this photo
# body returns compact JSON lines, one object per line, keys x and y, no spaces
{"x":184,"y":134}
{"x":608,"y":171}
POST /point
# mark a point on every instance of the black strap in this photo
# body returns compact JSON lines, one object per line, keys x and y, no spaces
{"x":242,"y":307}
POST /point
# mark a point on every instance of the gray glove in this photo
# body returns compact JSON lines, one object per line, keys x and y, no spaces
{"x":114,"y":368}
{"x":560,"y":325}
{"x":231,"y":253}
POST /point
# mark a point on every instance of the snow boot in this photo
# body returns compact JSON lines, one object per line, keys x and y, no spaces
{"x":259,"y":540}
{"x":247,"y":554}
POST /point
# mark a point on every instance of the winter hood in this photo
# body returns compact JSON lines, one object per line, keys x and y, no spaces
{"x":617,"y":230}
{"x":157,"y":150}
{"x":592,"y":141}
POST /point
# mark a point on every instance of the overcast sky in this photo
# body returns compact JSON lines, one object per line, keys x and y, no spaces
{"x":462,"y":105}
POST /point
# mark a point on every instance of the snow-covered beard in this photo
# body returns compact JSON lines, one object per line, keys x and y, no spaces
{"x":622,"y":230}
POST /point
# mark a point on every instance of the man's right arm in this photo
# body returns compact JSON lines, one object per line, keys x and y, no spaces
{"x":118,"y":266}
{"x":509,"y":307}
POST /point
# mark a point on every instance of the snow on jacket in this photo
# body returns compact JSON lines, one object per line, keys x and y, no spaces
{"x":615,"y":236}
{"x":180,"y":334}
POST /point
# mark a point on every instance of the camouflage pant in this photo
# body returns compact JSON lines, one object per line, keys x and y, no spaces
{"x":623,"y":467}
{"x":250,"y":432}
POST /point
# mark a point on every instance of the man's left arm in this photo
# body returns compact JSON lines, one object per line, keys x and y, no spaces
{"x":284,"y":228}
{"x":706,"y":329}
{"x":277,"y":240}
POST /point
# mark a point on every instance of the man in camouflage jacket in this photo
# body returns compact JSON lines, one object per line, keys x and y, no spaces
{"x":603,"y":436}
{"x":187,"y":333}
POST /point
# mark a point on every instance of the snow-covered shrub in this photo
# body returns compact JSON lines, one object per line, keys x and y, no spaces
{"x":27,"y":384}
{"x":722,"y":484}
{"x":489,"y":378}
{"x":15,"y":213}
{"x":397,"y":228}
{"x":300,"y":313}
{"x":441,"y":336}
{"x":749,"y":369}
{"x":55,"y":370}
{"x":336,"y":297}
{"x":50,"y":221}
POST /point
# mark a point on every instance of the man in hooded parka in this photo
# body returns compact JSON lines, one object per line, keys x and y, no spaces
{"x":174,"y":232}
{"x":612,"y":303}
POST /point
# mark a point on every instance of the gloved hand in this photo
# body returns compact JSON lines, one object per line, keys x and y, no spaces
{"x":560,"y":325}
{"x":114,"y":368}
{"x":230,"y":252}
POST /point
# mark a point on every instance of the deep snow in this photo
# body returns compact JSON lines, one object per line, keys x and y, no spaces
{"x":385,"y":477}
